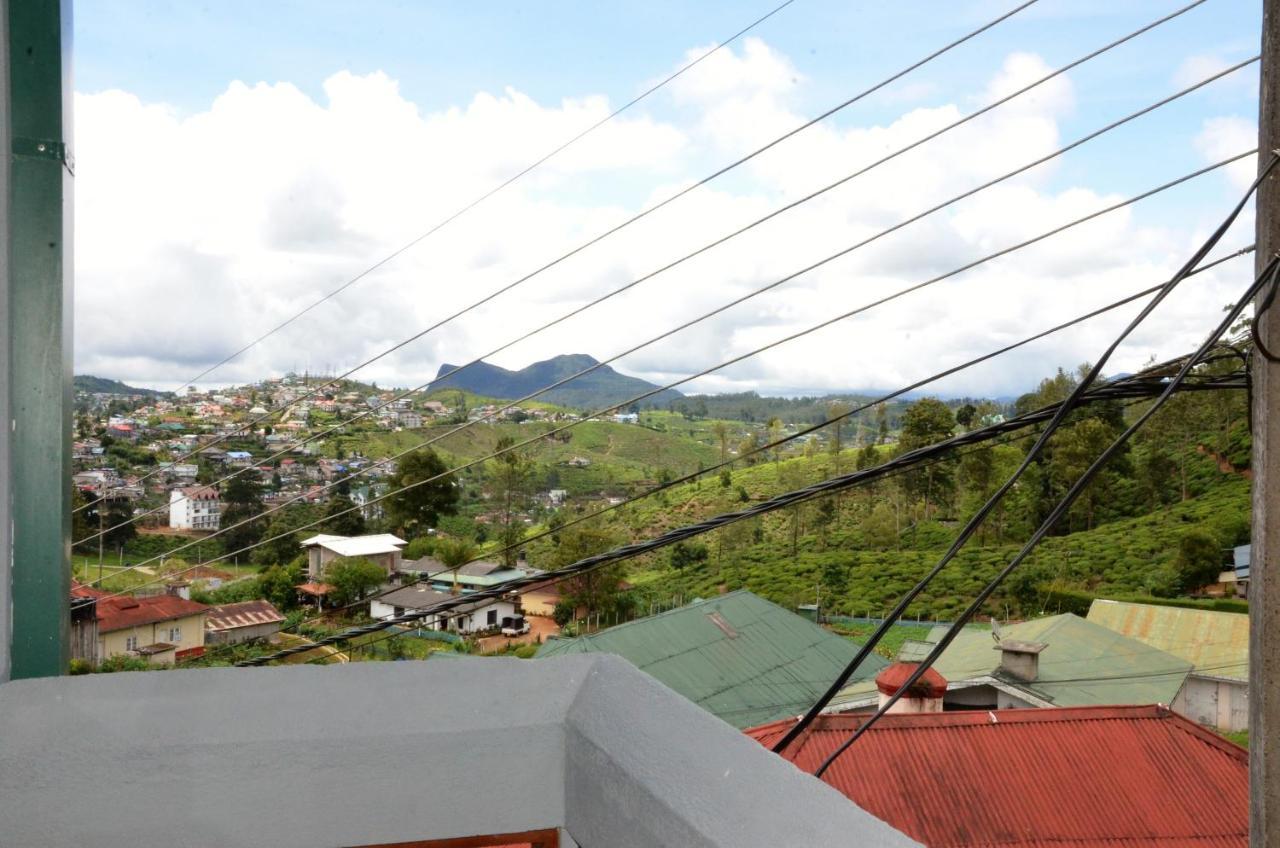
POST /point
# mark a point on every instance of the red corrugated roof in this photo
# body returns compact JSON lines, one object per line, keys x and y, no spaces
{"x":117,"y":613}
{"x":1111,"y":777}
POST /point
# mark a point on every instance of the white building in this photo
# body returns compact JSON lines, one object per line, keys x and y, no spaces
{"x":382,"y":549}
{"x":476,"y":617}
{"x":194,"y":508}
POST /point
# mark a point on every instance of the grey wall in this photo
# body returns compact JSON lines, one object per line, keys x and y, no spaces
{"x":368,"y":753}
{"x":644,"y":771}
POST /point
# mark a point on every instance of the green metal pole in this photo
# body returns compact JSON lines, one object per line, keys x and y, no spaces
{"x":38,"y":333}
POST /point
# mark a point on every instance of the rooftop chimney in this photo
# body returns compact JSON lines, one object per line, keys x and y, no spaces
{"x":1020,"y":660}
{"x":924,"y":696}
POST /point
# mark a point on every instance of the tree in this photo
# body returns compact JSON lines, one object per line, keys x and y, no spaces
{"x":927,"y":422}
{"x":600,"y":589}
{"x":1075,"y":448}
{"x":774,"y":433}
{"x":1199,"y":560}
{"x":748,"y":446}
{"x":283,"y":535}
{"x":880,"y":528}
{"x":721,"y":431}
{"x":278,"y":584}
{"x":454,"y":553}
{"x":118,"y":523}
{"x":412,"y":512}
{"x":684,"y":554}
{"x":882,"y":423}
{"x":836,"y":412}
{"x":510,"y":476}
{"x":342,"y":517}
{"x":965,"y":415}
{"x":242,"y":504}
{"x":351,"y":578}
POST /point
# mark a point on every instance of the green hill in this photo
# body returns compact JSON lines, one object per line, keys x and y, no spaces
{"x":106,"y":386}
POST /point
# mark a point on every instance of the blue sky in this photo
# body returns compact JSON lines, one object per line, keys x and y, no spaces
{"x":186,"y":55}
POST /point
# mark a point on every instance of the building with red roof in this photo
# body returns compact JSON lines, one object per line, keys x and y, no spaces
{"x":1088,"y":777}
{"x":162,"y":628}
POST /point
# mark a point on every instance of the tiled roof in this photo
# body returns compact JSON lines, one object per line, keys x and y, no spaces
{"x":123,"y":611}
{"x":1216,"y":643}
{"x":244,"y":614}
{"x":737,"y":656}
{"x":1088,"y":777}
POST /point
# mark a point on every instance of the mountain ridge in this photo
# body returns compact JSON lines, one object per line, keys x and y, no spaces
{"x":600,"y":388}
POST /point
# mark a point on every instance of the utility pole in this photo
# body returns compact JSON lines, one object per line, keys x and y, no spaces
{"x":35,"y":342}
{"x":1264,"y":568}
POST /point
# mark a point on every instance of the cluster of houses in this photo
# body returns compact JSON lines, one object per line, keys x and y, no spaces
{"x":162,"y":629}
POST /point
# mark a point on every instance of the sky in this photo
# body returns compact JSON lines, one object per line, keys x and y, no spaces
{"x":236,"y":161}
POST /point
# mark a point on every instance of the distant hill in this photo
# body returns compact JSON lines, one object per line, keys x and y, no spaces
{"x":104,"y":386}
{"x":596,"y":390}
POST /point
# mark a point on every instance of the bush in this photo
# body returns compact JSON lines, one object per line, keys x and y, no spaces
{"x":420,"y":547}
{"x":563,"y":613}
{"x":1199,"y":560}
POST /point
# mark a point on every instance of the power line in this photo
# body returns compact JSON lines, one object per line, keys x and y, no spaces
{"x":645,"y":213}
{"x":1140,"y":385}
{"x":896,"y":393}
{"x":755,"y":293}
{"x":978,"y":517}
{"x":491,"y":192}
{"x":1149,"y":388}
{"x":833,"y":420}
{"x":704,"y":372}
{"x":1268,"y":275}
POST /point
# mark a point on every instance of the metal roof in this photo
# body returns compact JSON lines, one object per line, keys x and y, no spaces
{"x":1090,"y":777}
{"x":1084,"y":664}
{"x":243,"y":614}
{"x":125,"y":611}
{"x":738,"y":656}
{"x":1216,"y":643}
{"x":356,"y":546}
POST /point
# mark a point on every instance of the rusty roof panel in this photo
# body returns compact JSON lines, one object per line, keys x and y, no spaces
{"x":1092,"y":777}
{"x":1215,"y":643}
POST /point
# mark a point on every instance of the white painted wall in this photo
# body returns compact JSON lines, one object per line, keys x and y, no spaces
{"x":1214,"y":701}
{"x":475,"y":621}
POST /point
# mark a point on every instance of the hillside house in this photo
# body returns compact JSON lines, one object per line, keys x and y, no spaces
{"x":1088,"y":777}
{"x":1056,"y":661}
{"x":737,"y":656}
{"x":161,"y":628}
{"x":1216,"y":644}
{"x":477,"y":617}
{"x":381,"y":549}
{"x":248,"y":621}
{"x":195,"y":508}
{"x":470,"y":577}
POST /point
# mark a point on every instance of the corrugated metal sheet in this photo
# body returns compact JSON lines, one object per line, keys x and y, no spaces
{"x":756,"y":663}
{"x":1110,"y":777}
{"x":1085,"y":664}
{"x":243,"y":614}
{"x":1216,"y":643}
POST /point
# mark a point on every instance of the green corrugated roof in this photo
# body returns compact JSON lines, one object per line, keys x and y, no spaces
{"x":1216,"y":643}
{"x":738,"y":656}
{"x":1084,"y":664}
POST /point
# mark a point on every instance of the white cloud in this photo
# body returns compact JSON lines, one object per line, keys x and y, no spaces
{"x":1226,"y":136}
{"x":196,"y":233}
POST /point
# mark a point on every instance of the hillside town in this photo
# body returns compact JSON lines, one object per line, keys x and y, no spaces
{"x":828,"y":425}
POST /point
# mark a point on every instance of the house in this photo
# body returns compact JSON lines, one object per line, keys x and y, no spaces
{"x":1056,"y":661}
{"x":1240,"y":557}
{"x":472,"y":576}
{"x":578,"y":761}
{"x":1088,"y":777}
{"x":162,"y":628}
{"x":1216,"y":644}
{"x":626,"y":418}
{"x":477,"y":617}
{"x":737,"y":656}
{"x":248,"y":621}
{"x":194,"y":508}
{"x":381,"y":549}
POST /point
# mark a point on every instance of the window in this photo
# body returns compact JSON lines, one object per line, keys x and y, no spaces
{"x":131,"y":643}
{"x":492,"y":618}
{"x":175,"y":634}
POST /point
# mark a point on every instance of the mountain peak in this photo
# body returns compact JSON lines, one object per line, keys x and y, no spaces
{"x":599,"y":388}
